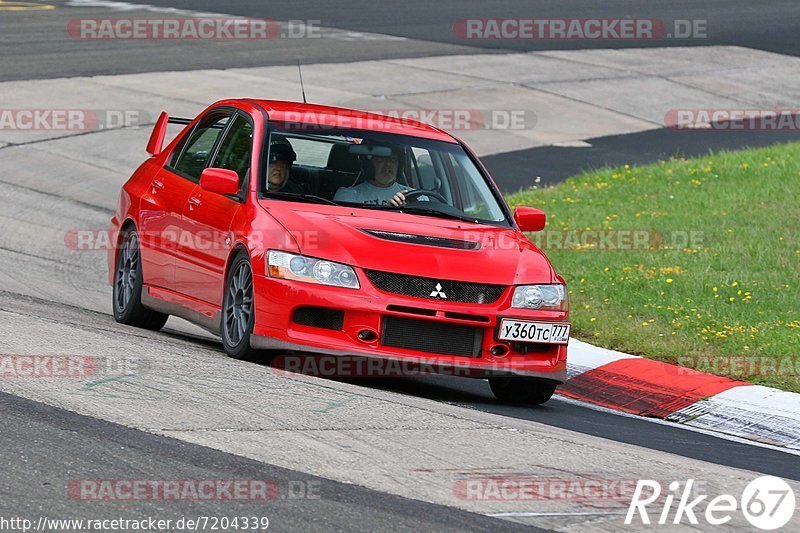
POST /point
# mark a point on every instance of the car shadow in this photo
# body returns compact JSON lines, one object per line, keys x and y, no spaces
{"x":467,"y":392}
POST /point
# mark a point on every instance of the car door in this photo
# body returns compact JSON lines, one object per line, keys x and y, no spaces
{"x":208,"y":216}
{"x":164,"y":233}
{"x":159,"y":221}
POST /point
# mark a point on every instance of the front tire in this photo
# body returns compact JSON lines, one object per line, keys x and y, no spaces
{"x":522,"y":391}
{"x":238,"y":309}
{"x":127,"y":293}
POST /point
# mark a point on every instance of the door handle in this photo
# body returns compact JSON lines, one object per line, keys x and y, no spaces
{"x":158,"y":185}
{"x":194,"y":201}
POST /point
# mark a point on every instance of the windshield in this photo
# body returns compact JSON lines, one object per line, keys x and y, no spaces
{"x":378,"y":170}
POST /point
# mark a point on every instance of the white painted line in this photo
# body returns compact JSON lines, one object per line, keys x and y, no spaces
{"x":130,"y":6}
{"x":524,"y":514}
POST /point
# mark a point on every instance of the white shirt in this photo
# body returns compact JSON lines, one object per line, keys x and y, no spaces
{"x":367,"y":193}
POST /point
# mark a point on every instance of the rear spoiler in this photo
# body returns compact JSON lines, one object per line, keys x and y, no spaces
{"x":156,"y":142}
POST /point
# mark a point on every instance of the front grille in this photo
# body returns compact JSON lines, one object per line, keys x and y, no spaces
{"x":319,"y":317}
{"x":435,"y":289}
{"x":431,"y":337}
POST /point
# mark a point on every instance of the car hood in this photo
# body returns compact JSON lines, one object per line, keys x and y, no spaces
{"x":503,"y":255}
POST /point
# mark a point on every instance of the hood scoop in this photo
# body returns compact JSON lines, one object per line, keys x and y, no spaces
{"x":426,"y":240}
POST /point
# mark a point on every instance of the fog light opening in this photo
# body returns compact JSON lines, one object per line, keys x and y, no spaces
{"x":367,"y":335}
{"x":499,"y":350}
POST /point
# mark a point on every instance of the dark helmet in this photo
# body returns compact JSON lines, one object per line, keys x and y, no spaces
{"x":281,"y":150}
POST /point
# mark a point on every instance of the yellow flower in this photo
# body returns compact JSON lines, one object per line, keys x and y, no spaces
{"x":645,"y":324}
{"x":669,"y":280}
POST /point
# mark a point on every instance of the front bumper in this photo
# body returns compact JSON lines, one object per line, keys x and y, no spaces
{"x":277,"y":301}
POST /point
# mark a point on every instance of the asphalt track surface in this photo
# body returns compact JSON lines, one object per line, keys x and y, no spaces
{"x":567,"y":414}
{"x":34,"y":43}
{"x":553,"y":164}
{"x":83,"y":444}
{"x":43,"y":445}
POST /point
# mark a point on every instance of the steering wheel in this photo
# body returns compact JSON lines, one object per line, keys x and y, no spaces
{"x":413,"y":195}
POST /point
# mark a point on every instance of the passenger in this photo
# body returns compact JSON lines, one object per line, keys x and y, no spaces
{"x":281,"y":158}
{"x":382,"y":189}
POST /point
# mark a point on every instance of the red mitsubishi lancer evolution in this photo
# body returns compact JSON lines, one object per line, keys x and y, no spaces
{"x":307,"y":228}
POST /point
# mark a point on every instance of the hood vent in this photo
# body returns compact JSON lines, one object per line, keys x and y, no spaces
{"x":426,"y":240}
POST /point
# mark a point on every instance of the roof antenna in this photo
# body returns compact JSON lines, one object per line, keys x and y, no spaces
{"x":302,"y":89}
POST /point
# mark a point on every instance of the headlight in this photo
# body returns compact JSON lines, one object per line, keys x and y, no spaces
{"x":301,"y":268}
{"x":548,"y":297}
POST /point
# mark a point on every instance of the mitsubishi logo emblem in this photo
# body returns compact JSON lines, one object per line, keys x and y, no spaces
{"x":437,"y":292}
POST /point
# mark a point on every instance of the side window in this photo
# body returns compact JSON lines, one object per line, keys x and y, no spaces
{"x":234,"y":152}
{"x":197,"y":148}
{"x":310,"y":152}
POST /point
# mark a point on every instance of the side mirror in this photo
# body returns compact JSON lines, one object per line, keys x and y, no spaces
{"x":530,"y":218}
{"x":220,"y":181}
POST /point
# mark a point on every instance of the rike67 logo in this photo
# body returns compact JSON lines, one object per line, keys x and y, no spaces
{"x":767,"y":503}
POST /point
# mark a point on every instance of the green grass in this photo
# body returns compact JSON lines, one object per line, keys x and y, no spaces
{"x":730,"y":298}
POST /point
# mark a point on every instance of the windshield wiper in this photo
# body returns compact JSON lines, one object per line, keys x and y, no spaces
{"x":297,"y":196}
{"x":415,"y":210}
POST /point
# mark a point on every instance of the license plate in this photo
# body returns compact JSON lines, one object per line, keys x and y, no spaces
{"x":542,"y":332}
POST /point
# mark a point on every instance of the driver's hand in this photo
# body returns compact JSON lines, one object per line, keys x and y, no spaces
{"x":399,"y":199}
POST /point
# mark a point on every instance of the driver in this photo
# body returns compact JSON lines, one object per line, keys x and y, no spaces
{"x":382,"y":189}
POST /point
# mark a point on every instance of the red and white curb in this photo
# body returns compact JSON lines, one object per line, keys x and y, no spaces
{"x":644,"y":387}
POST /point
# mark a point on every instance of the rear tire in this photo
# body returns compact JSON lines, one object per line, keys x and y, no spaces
{"x":127,"y":293}
{"x":522,"y":391}
{"x":238,"y":309}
